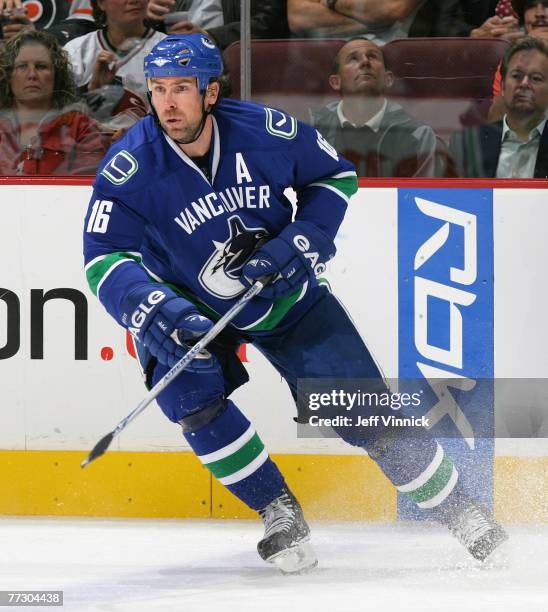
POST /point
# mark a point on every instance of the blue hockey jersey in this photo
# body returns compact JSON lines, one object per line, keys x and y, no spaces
{"x":155,"y":217}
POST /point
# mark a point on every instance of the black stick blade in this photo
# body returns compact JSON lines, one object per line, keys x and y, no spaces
{"x":99,"y":449}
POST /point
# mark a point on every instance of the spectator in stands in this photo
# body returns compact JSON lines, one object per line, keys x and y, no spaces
{"x":516,"y":146}
{"x":13,"y":19}
{"x":384,"y":20}
{"x":65,"y":19}
{"x":377,"y":135}
{"x":221,"y":20}
{"x":533,"y":16}
{"x":477,"y":11}
{"x":42,"y":130}
{"x":378,"y":20}
{"x":496,"y":20}
{"x":79,"y":21}
{"x":116,"y":50}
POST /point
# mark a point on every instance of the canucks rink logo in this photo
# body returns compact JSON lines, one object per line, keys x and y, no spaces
{"x":221,"y":272}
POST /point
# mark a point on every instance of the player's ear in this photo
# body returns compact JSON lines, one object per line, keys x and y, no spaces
{"x":212,"y":92}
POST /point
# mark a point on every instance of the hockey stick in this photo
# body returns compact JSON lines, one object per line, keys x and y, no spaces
{"x":101,"y":447}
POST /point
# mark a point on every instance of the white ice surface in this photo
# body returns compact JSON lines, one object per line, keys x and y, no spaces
{"x":186,"y":566}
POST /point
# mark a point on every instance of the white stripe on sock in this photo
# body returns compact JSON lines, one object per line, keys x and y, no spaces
{"x":426,"y":475}
{"x":229,"y":449}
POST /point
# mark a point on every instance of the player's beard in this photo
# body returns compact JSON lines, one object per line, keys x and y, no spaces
{"x":190,"y":133}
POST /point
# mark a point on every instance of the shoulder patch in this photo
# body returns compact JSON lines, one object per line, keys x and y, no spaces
{"x":279,"y":124}
{"x":120,"y":168}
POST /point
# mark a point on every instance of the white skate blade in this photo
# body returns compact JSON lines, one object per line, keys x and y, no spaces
{"x":296,"y":559}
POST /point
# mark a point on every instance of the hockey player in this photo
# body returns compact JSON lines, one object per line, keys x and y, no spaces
{"x":188,"y":209}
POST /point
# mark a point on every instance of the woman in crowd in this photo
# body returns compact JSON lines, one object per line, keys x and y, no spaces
{"x":42,"y":129}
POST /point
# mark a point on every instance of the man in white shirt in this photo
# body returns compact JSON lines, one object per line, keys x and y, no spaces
{"x":516,"y":146}
{"x":518,"y":154}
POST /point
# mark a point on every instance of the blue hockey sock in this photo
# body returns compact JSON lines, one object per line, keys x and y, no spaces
{"x":230,"y":448}
{"x":417,"y":465}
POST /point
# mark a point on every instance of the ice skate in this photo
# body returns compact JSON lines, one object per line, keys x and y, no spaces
{"x":477,"y":531}
{"x":286,"y":537}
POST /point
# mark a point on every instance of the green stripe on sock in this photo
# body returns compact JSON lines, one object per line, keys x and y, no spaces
{"x":435,"y":483}
{"x":346,"y":184}
{"x":238,"y":460}
{"x":95,"y":273}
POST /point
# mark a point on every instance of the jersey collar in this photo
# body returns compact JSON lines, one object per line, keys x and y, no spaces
{"x":216,"y":152}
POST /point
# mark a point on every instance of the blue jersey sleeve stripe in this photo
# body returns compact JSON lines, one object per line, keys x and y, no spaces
{"x":110,"y":271}
{"x":99,"y":258}
{"x":91,"y":263}
{"x":101,"y":267}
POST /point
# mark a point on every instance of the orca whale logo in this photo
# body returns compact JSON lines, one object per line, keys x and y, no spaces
{"x":221,"y":273}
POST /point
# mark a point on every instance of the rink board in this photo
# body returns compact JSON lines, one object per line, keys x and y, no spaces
{"x":175,"y":485}
{"x":68,"y":376}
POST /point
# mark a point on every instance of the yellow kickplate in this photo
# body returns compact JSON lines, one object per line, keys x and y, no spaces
{"x":172,"y":484}
{"x":336,"y":487}
{"x":120,"y":484}
{"x":521,"y":489}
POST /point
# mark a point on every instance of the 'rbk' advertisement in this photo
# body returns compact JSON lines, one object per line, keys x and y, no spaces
{"x":445,"y":282}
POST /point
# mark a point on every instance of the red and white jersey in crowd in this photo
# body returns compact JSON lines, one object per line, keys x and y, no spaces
{"x":83,"y":52}
{"x":81,"y":9}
